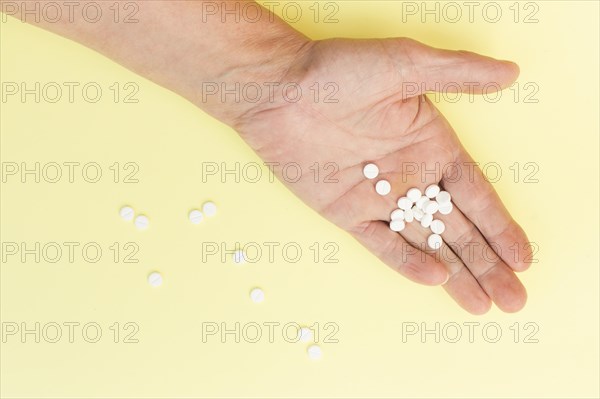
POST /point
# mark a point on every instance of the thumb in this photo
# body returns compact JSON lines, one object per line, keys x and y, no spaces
{"x":426,"y":68}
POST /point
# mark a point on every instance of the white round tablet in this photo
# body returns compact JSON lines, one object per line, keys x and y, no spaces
{"x":426,"y":220}
{"x":397,"y":225}
{"x":305,"y":334}
{"x":414,"y":194}
{"x":417,"y":213}
{"x":437,"y":226}
{"x":421,"y":201}
{"x":446,"y":208}
{"x":408,"y":215}
{"x":155,"y":279}
{"x":371,"y":171}
{"x":195,"y":216}
{"x":430,"y":207}
{"x":404,"y":203}
{"x":443,"y":197}
{"x":126,"y":213}
{"x":432,"y":190}
{"x":434,"y":241}
{"x":141,"y":222}
{"x":314,"y":352}
{"x":209,"y":208}
{"x":257,"y":295}
{"x":239,"y":257}
{"x":383,"y":187}
{"x":397,"y":214}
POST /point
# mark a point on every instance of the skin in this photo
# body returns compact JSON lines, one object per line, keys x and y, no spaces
{"x":379,"y":117}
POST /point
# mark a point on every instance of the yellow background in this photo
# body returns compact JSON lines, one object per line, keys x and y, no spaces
{"x":169,"y":139}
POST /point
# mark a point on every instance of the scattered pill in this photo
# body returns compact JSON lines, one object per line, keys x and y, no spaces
{"x":404,"y":203}
{"x":257,"y":295}
{"x":239,"y":257}
{"x":209,"y":208}
{"x":155,"y":279}
{"x":305,"y":334}
{"x":195,"y":216}
{"x":426,"y":220}
{"x":397,"y":214}
{"x":141,"y":222}
{"x":397,"y":225}
{"x":434,"y":241}
{"x":432,"y":190}
{"x":126,"y":213}
{"x":314,"y":352}
{"x":437,"y":226}
{"x":414,"y":194}
{"x":421,"y":201}
{"x":383,"y":187}
{"x":443,"y":197}
{"x":430,"y":207}
{"x":408,"y":215}
{"x":371,"y":171}
{"x":446,"y":208}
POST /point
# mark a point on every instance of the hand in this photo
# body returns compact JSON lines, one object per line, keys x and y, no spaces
{"x":380,"y":118}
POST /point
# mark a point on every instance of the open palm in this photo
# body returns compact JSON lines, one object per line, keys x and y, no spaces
{"x":363,"y":101}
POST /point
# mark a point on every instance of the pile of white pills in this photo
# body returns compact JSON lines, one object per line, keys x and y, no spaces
{"x":416,"y":206}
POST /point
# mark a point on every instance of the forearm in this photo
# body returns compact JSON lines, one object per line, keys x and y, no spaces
{"x":189,"y":47}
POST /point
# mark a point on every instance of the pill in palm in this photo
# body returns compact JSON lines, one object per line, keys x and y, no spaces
{"x":443,"y":197}
{"x":430,"y":207}
{"x":126,"y":213}
{"x":437,"y":226}
{"x":404,"y":203}
{"x":142,"y":222}
{"x":417,"y":213}
{"x":434,"y":241}
{"x":421,"y":201}
{"x":371,"y":171}
{"x":408,"y":215}
{"x":383,"y":187}
{"x":397,"y":225}
{"x":446,"y":208}
{"x":414,"y":194}
{"x":397,"y":214}
{"x":426,"y":220}
{"x":432,"y":190}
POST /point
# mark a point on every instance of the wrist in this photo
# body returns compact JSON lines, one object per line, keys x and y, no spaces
{"x":253,"y":79}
